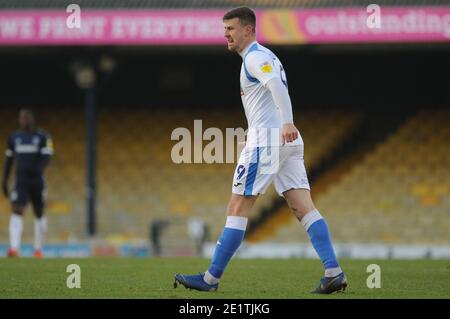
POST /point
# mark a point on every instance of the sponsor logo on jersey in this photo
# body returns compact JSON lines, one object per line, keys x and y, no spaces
{"x":266,"y":67}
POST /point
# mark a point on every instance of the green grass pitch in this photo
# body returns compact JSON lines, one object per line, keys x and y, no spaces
{"x":245,"y":278}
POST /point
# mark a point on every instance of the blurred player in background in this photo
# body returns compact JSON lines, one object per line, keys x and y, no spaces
{"x":31,"y":149}
{"x":268,"y":109}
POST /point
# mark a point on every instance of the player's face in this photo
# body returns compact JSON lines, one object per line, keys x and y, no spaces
{"x":236,"y":34}
{"x":26,"y":120}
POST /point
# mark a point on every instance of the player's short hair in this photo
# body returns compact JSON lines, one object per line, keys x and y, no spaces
{"x":245,"y":15}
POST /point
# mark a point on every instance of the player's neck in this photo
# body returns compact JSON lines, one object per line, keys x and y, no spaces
{"x":246,"y":46}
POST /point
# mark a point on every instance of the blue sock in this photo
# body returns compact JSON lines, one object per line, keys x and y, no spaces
{"x":320,"y":238}
{"x":228,"y":243}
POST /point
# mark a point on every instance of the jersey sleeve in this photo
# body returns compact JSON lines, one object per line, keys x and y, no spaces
{"x":47,"y":145}
{"x":260,"y":65}
{"x":9,"y":147}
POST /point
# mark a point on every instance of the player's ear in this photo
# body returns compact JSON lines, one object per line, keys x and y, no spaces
{"x":249,"y":29}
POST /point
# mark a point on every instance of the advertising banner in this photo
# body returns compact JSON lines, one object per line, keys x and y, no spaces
{"x":189,"y":27}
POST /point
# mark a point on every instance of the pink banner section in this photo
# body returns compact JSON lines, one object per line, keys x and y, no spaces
{"x":189,"y":27}
{"x":100,"y":27}
{"x":356,"y":25}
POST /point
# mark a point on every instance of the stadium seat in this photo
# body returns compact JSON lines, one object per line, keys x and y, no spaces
{"x":399,"y":193}
{"x":136,"y":178}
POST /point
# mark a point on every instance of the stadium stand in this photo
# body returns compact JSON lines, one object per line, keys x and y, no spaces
{"x":137,"y":180}
{"x":162,"y":189}
{"x":398,"y":193}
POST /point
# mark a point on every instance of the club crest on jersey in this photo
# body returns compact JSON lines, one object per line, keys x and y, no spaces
{"x":266,"y":67}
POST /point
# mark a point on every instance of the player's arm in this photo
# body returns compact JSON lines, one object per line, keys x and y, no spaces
{"x":46,"y":152}
{"x":261,"y":67}
{"x":283,"y":101}
{"x":9,"y":159}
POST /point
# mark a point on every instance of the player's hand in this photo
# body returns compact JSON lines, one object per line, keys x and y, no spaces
{"x":5,"y":189}
{"x":289,"y":133}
